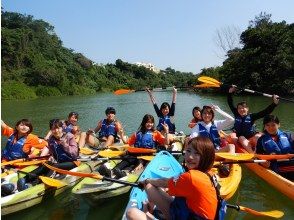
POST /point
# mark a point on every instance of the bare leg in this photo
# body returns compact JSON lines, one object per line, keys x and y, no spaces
{"x":245,"y":144}
{"x":137,"y":214}
{"x":160,"y":198}
{"x":109,"y":141}
{"x":82,"y":140}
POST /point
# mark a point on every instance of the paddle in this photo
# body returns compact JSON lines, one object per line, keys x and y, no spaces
{"x":46,"y":180}
{"x":215,"y":83}
{"x":114,"y":158}
{"x":91,"y":175}
{"x":248,"y":161}
{"x":18,"y":161}
{"x":273,"y":214}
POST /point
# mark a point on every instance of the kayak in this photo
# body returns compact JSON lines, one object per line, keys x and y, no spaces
{"x":164,"y":165}
{"x":36,"y":194}
{"x":164,"y":162}
{"x":282,"y":184}
{"x":93,"y":190}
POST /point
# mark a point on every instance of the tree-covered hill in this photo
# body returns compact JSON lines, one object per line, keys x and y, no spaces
{"x":35,"y":63}
{"x":266,"y":60}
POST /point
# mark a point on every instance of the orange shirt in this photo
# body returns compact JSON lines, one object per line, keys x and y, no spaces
{"x":157,"y":137}
{"x":31,"y":141}
{"x":198,"y":190}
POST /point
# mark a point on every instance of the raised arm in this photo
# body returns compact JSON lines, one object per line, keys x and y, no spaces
{"x":222,"y":124}
{"x":267,"y":110}
{"x":174,"y":95}
{"x":151,"y":96}
{"x":230,"y":100}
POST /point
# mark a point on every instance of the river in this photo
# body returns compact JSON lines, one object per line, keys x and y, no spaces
{"x":253,"y":192}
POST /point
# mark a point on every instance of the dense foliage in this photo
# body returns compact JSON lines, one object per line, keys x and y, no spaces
{"x":266,"y":61}
{"x":34,"y":63}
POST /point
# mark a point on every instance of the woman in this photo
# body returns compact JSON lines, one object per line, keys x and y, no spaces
{"x":275,"y":141}
{"x":145,"y":137}
{"x":209,"y":127}
{"x":64,"y":151}
{"x":195,"y":195}
{"x":21,"y":143}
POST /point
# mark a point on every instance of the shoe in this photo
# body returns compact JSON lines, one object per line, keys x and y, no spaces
{"x":118,"y":173}
{"x":21,"y":184}
{"x":7,"y":189}
{"x":104,"y":171}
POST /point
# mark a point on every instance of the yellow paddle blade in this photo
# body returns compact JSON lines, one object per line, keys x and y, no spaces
{"x":148,"y":158}
{"x":123,"y":91}
{"x":119,"y":147}
{"x":207,"y":85}
{"x":52,"y":182}
{"x":273,"y":214}
{"x":208,"y":80}
{"x":86,"y":151}
{"x":11,"y":162}
{"x":110,"y":153}
{"x":28,"y":163}
{"x":235,"y":156}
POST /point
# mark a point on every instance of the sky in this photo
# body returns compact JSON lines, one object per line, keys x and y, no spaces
{"x":166,"y":33}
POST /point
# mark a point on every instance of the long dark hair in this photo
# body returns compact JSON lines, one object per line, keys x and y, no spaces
{"x":145,"y":119}
{"x":25,"y":122}
{"x":205,"y":148}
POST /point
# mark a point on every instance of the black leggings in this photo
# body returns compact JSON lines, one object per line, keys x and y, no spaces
{"x":43,"y":170}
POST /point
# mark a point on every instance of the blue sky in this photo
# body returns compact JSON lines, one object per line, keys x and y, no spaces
{"x":179,"y":34}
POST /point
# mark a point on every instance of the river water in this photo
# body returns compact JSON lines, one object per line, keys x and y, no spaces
{"x":253,"y":192}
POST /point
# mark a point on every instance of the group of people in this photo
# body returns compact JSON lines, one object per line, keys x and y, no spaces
{"x":65,"y":138}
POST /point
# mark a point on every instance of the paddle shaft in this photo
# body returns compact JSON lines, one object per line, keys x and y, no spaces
{"x":120,"y":181}
{"x":253,"y":161}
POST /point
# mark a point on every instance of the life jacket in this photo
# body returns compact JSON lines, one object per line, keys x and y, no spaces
{"x":282,"y":146}
{"x":145,"y":140}
{"x":58,"y":152}
{"x":166,"y":119}
{"x":107,"y":129}
{"x":243,"y":126}
{"x":68,"y":128}
{"x":212,"y":134}
{"x":12,"y":150}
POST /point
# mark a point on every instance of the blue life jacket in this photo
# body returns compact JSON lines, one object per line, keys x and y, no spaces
{"x":212,"y":134}
{"x":59,"y":153}
{"x":107,"y":129}
{"x":14,"y":151}
{"x":244,"y":126}
{"x":145,"y":140}
{"x":166,"y":119}
{"x":68,"y":128}
{"x":282,"y":146}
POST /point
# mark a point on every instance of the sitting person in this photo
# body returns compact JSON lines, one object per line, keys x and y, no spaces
{"x":21,"y":143}
{"x":196,"y":112}
{"x":69,"y":125}
{"x":190,"y":195}
{"x":110,"y":131}
{"x":64,"y":151}
{"x":275,"y":141}
{"x":145,"y":137}
{"x":244,"y":128}
{"x":209,"y":127}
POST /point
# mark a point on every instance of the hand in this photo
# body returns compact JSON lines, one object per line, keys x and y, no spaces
{"x":165,"y":127}
{"x":174,"y":90}
{"x":148,"y":90}
{"x":276,"y":99}
{"x":215,"y":107}
{"x":232,"y":89}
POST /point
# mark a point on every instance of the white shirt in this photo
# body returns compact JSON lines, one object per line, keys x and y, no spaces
{"x":219,"y":124}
